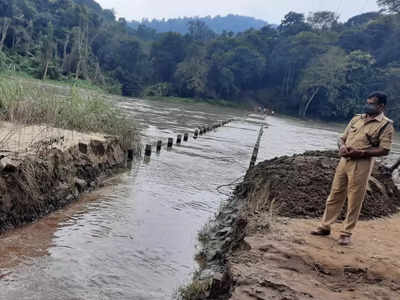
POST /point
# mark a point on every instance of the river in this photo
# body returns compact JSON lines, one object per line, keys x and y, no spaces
{"x":136,"y":237}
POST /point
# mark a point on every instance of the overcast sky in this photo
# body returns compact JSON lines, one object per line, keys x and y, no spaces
{"x":271,"y":11}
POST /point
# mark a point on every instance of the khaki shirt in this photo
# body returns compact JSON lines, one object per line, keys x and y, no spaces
{"x":358,"y":130}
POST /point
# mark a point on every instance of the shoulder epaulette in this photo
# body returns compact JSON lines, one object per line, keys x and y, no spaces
{"x":388,"y":120}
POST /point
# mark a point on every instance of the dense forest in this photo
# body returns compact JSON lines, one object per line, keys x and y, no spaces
{"x":310,"y":66}
{"x":218,"y":24}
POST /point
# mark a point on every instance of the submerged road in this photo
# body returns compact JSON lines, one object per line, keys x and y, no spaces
{"x":136,"y":237}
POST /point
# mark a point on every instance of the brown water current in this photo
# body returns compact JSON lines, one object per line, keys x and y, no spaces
{"x":136,"y":237}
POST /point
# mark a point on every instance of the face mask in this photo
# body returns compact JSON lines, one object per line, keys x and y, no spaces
{"x":371,"y":109}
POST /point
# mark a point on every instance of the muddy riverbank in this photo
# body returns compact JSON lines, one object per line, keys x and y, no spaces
{"x":258,"y":246}
{"x":43,"y":169}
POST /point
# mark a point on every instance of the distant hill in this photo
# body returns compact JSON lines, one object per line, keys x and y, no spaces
{"x":218,"y":24}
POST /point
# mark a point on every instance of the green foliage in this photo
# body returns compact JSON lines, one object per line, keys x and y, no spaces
{"x":194,"y":291}
{"x":166,"y":54}
{"x":162,"y":89}
{"x":323,"y":20}
{"x":390,"y":5}
{"x":314,"y":66}
{"x":323,"y":79}
{"x":191,"y":78}
{"x":218,"y":24}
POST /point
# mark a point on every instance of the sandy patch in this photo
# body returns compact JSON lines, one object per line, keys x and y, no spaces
{"x":22,"y":139}
{"x":288,"y":263}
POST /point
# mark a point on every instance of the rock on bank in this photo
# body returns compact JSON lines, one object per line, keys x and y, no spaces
{"x":43,"y":169}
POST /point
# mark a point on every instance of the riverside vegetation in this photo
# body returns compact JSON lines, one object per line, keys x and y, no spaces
{"x":32,"y":104}
{"x":309,"y":66}
{"x":56,"y":142}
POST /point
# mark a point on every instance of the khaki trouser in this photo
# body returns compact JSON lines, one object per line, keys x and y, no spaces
{"x":351,"y":181}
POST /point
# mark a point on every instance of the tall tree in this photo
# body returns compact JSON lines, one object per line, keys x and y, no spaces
{"x":390,"y":5}
{"x":323,"y":20}
{"x":47,"y":51}
{"x":322,"y":79}
{"x":199,"y":31}
{"x":165,"y":55}
{"x":293,"y":23}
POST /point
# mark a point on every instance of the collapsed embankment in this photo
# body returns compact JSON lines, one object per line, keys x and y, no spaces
{"x":252,"y":248}
{"x":51,"y":173}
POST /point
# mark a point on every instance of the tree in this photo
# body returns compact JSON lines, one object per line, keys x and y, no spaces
{"x":166,"y":54}
{"x":7,"y":13}
{"x":323,"y":20}
{"x":191,"y":77}
{"x":293,"y":23}
{"x":199,"y":31}
{"x":362,"y":19}
{"x":322,"y":79}
{"x":246,"y":64}
{"x":390,"y":77}
{"x":392,"y":6}
{"x":47,"y":51}
{"x":4,"y":30}
{"x":361,"y":79}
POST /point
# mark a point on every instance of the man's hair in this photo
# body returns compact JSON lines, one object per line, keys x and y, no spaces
{"x":381,"y":96}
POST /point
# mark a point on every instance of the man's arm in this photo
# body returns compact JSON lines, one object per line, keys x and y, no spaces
{"x":343,"y":150}
{"x":385,"y":145}
{"x":372,"y":152}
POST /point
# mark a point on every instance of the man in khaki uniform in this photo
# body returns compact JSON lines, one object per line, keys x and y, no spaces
{"x":367,"y":136}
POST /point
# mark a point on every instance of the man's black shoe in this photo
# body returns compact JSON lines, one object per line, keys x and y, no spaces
{"x":321,"y":232}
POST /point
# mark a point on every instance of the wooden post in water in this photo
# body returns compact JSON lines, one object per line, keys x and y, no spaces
{"x":395,"y":166}
{"x":130,"y":154}
{"x":147,"y":151}
{"x":186,"y":137}
{"x":256,"y":147}
{"x":159,"y":145}
{"x":196,"y":134}
{"x":170,"y":142}
{"x":179,"y":139}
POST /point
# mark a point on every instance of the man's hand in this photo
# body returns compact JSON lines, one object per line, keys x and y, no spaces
{"x":354,"y":153}
{"x":343,"y":151}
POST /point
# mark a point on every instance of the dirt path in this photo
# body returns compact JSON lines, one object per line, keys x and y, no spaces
{"x":21,"y":139}
{"x":285,"y":262}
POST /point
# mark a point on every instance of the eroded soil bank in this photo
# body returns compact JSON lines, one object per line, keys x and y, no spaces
{"x":43,"y":169}
{"x":259,"y":245}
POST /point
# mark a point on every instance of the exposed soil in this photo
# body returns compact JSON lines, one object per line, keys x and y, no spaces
{"x":298,"y":186}
{"x":286,"y":262}
{"x":259,"y":246}
{"x":43,"y":169}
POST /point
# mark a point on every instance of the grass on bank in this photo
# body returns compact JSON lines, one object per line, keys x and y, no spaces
{"x":196,"y":290}
{"x":84,"y":112}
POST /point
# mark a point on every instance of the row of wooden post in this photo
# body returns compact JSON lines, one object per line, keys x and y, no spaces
{"x":197,"y":133}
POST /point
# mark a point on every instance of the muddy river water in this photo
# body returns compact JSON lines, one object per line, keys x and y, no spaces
{"x":136,"y":237}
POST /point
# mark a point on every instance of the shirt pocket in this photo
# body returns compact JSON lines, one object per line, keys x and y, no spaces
{"x":372,"y":136}
{"x":354,"y":129}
